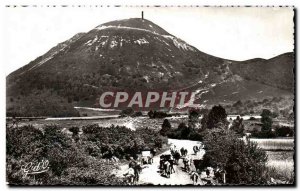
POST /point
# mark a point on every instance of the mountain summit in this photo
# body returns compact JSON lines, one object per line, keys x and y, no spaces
{"x":134,"y":24}
{"x":130,"y":55}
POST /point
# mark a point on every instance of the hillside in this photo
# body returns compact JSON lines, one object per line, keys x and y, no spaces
{"x":134,"y":55}
{"x":276,"y":72}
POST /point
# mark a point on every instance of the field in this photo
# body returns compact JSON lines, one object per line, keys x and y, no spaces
{"x":282,"y":144}
{"x":132,"y":123}
{"x":280,"y":157}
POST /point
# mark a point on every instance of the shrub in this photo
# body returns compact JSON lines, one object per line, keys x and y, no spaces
{"x":127,"y":112}
{"x":238,"y":125}
{"x":216,"y":116}
{"x":165,"y":128}
{"x":72,"y":162}
{"x":157,"y":114}
{"x":244,"y":163}
{"x":185,"y":132}
{"x":284,"y":131}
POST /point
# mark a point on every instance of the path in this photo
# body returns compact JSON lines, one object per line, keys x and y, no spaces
{"x":150,"y":174}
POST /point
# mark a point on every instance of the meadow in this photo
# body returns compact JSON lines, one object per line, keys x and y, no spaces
{"x":280,"y":153}
{"x":278,"y":144}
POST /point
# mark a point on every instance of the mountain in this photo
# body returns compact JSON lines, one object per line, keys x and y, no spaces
{"x":277,"y":72}
{"x":134,"y":55}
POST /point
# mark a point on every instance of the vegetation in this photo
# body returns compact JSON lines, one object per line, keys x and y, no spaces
{"x":216,"y":118}
{"x":165,"y":128}
{"x":157,"y":114}
{"x":74,"y":159}
{"x":76,"y":154}
{"x":185,"y":132}
{"x":275,"y":144}
{"x":266,"y":120}
{"x":284,"y":131}
{"x":127,"y":112}
{"x":194,"y":118}
{"x":244,"y":163}
{"x":238,"y":126}
{"x":281,"y":107}
{"x":46,"y":103}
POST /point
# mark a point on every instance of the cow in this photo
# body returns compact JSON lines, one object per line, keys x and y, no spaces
{"x":137,"y":171}
{"x":176,"y":156}
{"x":167,"y":169}
{"x":136,"y":168}
{"x":153,"y":151}
{"x":195,"y":176}
{"x":187,"y":163}
{"x":147,"y":160}
{"x":196,"y":149}
{"x":172,"y":166}
{"x":130,"y":176}
{"x":219,"y":175}
{"x":182,"y":151}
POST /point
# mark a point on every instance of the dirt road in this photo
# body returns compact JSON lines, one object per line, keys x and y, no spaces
{"x":150,"y":174}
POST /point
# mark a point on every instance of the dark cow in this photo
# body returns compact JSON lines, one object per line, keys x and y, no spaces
{"x":136,"y":168}
{"x":219,"y":175}
{"x":196,"y":149}
{"x":153,"y":152}
{"x":187,"y":165}
{"x":183,"y":151}
{"x":176,"y":156}
{"x":172,"y":166}
{"x":195,"y":177}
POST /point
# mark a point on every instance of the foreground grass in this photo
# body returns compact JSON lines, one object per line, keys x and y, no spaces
{"x":281,"y":170}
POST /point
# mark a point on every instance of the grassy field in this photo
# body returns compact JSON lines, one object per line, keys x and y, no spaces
{"x":132,"y":123}
{"x":281,"y":165}
{"x":280,"y":157}
{"x":282,"y":144}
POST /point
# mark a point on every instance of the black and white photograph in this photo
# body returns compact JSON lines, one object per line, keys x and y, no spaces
{"x":150,"y":95}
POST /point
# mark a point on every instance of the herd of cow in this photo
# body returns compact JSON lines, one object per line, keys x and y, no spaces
{"x":167,"y":162}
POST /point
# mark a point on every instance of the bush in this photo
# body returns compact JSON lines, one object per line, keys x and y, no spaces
{"x":70,"y":162}
{"x":165,"y":128}
{"x":127,"y":112}
{"x":216,"y":116}
{"x":137,"y":114}
{"x":284,"y":131}
{"x":244,"y":163}
{"x":238,"y":125}
{"x":185,"y":132}
{"x":157,"y":114}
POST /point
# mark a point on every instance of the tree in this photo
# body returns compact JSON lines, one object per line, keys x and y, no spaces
{"x":216,"y":116}
{"x":127,"y":112}
{"x":194,"y":118}
{"x":244,"y":163}
{"x":75,"y":133}
{"x":266,"y":120}
{"x":238,"y":125}
{"x":137,"y":114}
{"x":204,"y":121}
{"x":151,"y":114}
{"x":165,"y":128}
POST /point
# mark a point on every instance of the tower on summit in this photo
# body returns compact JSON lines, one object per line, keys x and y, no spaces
{"x":142,"y":15}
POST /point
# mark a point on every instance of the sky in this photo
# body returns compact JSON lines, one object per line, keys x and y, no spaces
{"x":231,"y":33}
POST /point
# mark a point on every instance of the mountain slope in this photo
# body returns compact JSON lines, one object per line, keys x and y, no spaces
{"x":277,"y":72}
{"x":127,"y":55}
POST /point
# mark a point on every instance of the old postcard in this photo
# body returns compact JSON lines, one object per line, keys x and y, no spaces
{"x":150,"y":95}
